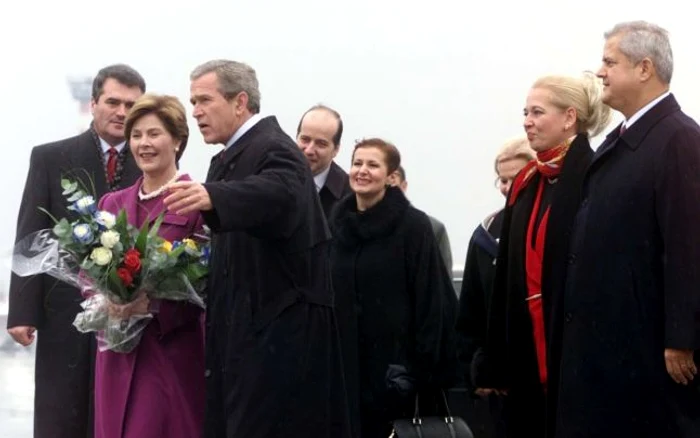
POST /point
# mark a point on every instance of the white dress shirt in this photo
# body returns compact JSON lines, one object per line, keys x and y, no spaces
{"x":638,"y":115}
{"x":245,"y":127}
{"x":106,"y":146}
{"x":321,"y":178}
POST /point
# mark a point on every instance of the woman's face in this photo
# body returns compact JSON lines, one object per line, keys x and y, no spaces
{"x":152,"y":146}
{"x":507,"y":170}
{"x":369,"y":173}
{"x":546,"y":125}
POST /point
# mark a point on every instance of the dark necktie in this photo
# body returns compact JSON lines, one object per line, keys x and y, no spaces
{"x":112,"y":164}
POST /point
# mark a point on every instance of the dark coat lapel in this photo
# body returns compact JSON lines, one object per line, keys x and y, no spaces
{"x":565,"y":203}
{"x":228,"y":156}
{"x":634,"y":136}
{"x":85,"y":164}
{"x":337,"y":181}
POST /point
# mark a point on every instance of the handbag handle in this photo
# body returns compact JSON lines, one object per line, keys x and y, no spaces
{"x":416,"y":414}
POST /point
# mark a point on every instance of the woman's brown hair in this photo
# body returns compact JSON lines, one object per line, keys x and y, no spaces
{"x":392,"y":157}
{"x":170,"y":112}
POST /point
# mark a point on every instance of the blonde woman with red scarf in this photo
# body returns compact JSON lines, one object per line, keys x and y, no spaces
{"x":561,"y":114}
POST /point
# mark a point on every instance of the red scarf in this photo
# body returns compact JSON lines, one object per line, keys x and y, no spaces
{"x":548,"y":164}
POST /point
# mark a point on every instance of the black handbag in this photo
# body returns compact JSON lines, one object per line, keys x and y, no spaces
{"x":431,"y":427}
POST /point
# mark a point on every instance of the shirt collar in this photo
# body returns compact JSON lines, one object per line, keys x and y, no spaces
{"x":245,"y":127}
{"x":320,"y":179}
{"x":106,"y":146}
{"x":638,"y":115}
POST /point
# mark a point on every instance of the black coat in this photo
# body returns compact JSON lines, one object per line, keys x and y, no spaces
{"x":395,"y":305}
{"x":484,"y":414}
{"x":477,"y":284}
{"x":510,"y":348}
{"x":632,"y":285}
{"x":64,"y":356}
{"x":337,"y":187}
{"x":273,"y":358}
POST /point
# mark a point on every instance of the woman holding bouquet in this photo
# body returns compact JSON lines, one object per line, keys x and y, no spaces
{"x":157,"y":389}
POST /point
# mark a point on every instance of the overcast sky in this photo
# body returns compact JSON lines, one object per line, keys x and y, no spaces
{"x":445,"y":82}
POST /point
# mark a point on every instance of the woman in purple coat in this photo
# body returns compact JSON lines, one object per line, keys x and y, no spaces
{"x":156,"y":390}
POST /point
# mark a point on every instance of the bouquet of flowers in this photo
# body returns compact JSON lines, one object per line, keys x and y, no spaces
{"x":113,"y":264}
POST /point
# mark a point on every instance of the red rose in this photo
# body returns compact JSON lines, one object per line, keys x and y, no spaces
{"x":132,"y":262}
{"x":125,"y":276}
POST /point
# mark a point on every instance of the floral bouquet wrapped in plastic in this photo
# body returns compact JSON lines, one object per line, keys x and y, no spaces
{"x":113,"y":264}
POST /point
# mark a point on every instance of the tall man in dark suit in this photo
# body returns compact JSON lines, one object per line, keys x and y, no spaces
{"x":65,"y":357}
{"x":273,"y":359}
{"x":318,"y":136}
{"x":624,"y":333}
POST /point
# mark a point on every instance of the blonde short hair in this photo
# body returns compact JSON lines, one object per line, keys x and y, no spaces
{"x":514,"y":149}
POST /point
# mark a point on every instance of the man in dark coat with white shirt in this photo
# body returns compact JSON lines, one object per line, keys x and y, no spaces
{"x":64,"y":356}
{"x":625,"y":333}
{"x":273,"y":356}
{"x":319,"y":133}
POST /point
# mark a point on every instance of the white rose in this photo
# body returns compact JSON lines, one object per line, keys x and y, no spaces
{"x":106,"y":219}
{"x":101,"y":256}
{"x":109,"y":238}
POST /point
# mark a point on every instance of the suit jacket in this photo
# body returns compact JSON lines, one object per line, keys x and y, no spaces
{"x":443,"y":241}
{"x":272,"y":351}
{"x":337,"y":186}
{"x":632,"y":285}
{"x":64,"y":357}
{"x":78,"y":158}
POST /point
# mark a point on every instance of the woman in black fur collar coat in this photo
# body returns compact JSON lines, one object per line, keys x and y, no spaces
{"x":394,"y":300}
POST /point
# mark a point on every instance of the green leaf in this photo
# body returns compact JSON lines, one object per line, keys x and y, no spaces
{"x":66,"y":185}
{"x":70,"y":188}
{"x":116,"y":286}
{"x":118,"y":249}
{"x":177,"y":252}
{"x":63,"y":229}
{"x":75,"y":196}
{"x":121,"y":220}
{"x":45,"y":211}
{"x":142,"y":239}
{"x":156,"y":225}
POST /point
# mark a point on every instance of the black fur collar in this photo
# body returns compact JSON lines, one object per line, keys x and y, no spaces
{"x":351,"y":227}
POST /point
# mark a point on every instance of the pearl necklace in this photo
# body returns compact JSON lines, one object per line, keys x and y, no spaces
{"x":154,"y":194}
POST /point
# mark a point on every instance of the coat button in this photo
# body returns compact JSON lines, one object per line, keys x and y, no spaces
{"x":568,"y":317}
{"x":207,"y":373}
{"x":572,"y":259}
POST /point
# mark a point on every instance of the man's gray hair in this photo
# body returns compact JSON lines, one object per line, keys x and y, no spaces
{"x":639,"y":40}
{"x":234,"y":77}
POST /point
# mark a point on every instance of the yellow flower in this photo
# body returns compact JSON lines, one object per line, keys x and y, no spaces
{"x":166,"y":247}
{"x":189,"y":243}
